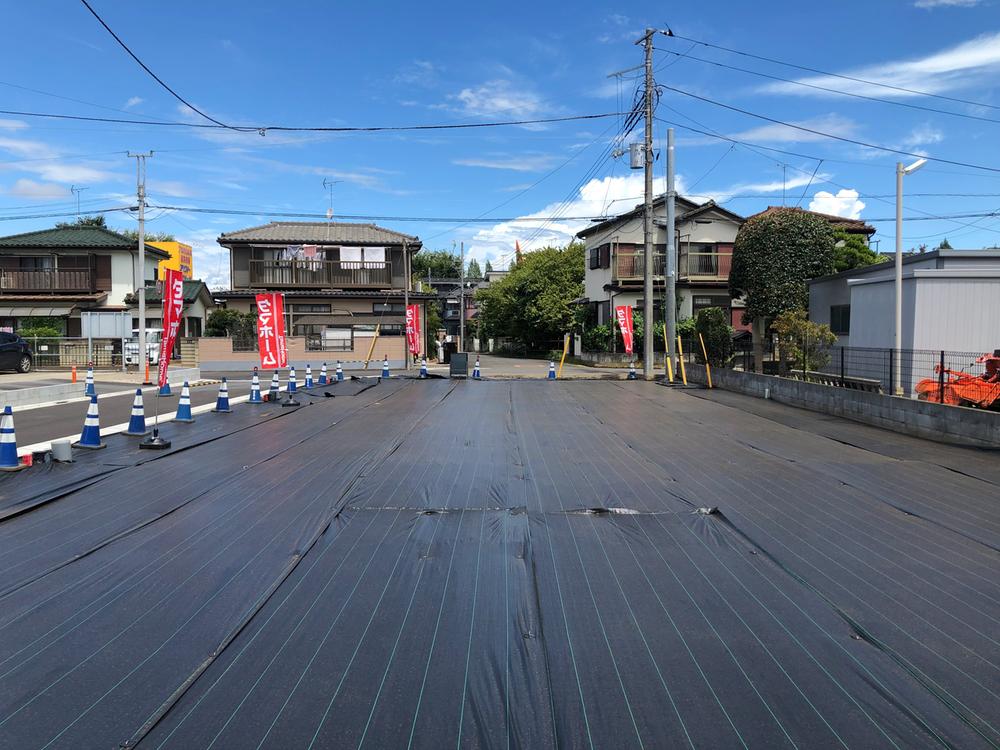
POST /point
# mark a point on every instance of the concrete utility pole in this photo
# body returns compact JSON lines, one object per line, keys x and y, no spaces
{"x":140,"y":190}
{"x":901,"y":171}
{"x":461,"y":301}
{"x":671,"y":259}
{"x":647,"y":274}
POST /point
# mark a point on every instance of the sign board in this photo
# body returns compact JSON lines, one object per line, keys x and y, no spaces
{"x":624,"y":315}
{"x":271,"y":331}
{"x":106,"y":325}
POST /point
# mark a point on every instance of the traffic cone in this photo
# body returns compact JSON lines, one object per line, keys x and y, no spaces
{"x":322,"y":375}
{"x":72,"y":375}
{"x":222,"y":402}
{"x":340,"y":371}
{"x":272,"y":394}
{"x":475,"y":370}
{"x":8,"y":442}
{"x":292,"y":386}
{"x":552,"y":370}
{"x":146,"y":380}
{"x":90,"y":390}
{"x":309,"y":377}
{"x":165,"y":388}
{"x":385,"y":367}
{"x":631,"y":370}
{"x":184,"y":405}
{"x":423,"y":367}
{"x":137,"y":422}
{"x":91,"y":435}
{"x":255,"y":389}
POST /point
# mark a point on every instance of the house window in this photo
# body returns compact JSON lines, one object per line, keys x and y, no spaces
{"x":595,"y":257}
{"x":388,"y":307}
{"x":311,"y":308}
{"x":840,"y":319}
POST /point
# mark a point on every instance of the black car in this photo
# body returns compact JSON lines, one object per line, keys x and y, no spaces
{"x":15,"y":354}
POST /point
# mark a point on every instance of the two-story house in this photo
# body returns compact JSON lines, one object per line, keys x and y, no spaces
{"x":61,"y":272}
{"x":340,"y":281}
{"x":704,"y":239}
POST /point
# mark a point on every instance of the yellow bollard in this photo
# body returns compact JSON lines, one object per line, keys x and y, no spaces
{"x":666,"y":357}
{"x":680,"y":361}
{"x":372,"y":347}
{"x":565,"y":350}
{"x":708,"y":369}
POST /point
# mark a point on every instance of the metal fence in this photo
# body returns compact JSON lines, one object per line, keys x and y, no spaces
{"x":65,"y":352}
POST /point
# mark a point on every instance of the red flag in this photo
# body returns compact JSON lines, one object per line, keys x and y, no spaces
{"x":271,"y":331}
{"x":413,"y":328}
{"x":624,"y":314}
{"x":173,"y":303}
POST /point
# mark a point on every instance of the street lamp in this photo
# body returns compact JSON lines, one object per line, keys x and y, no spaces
{"x":898,"y":340}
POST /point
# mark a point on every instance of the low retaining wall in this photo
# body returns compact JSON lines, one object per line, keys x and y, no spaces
{"x":925,"y":419}
{"x":217,"y":355}
{"x":615,"y":359}
{"x":68,"y":391}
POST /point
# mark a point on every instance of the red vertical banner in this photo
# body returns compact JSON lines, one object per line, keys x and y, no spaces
{"x":624,"y":315}
{"x":271,"y":331}
{"x":173,"y":303}
{"x":413,"y":328}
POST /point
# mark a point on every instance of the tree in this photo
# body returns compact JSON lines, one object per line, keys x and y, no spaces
{"x":534,"y":302}
{"x":774,"y":255}
{"x":473,"y":271}
{"x":226,"y":322}
{"x":851,"y":251}
{"x":431,"y":327}
{"x":85,"y":221}
{"x":133,"y":234}
{"x":440,"y":263}
{"x":945,"y":245}
{"x":714,"y":328}
{"x":805,"y":343}
{"x":488,"y":268}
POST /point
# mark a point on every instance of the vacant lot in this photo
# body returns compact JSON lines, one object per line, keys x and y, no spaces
{"x":504,"y":564}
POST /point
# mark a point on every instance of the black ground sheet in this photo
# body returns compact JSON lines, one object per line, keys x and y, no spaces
{"x":512,"y":564}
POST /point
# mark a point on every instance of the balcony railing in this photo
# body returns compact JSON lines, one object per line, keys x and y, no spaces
{"x":320,"y":274}
{"x":629,"y":266}
{"x":704,"y":266}
{"x":46,"y":280}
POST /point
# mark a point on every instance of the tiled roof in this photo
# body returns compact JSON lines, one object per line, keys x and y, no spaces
{"x":192,"y":288}
{"x":321,"y":233}
{"x":80,"y":237}
{"x":850,"y":225}
{"x":685,"y":208}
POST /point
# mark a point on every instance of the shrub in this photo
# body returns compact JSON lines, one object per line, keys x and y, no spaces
{"x":713,"y":327}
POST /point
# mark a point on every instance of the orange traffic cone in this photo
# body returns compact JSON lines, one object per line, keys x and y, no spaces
{"x":146,"y":379}
{"x":72,"y":377}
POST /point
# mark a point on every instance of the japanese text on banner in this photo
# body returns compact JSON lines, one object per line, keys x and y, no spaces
{"x":271,"y":331}
{"x":624,"y":315}
{"x":413,"y":328}
{"x":173,"y":303}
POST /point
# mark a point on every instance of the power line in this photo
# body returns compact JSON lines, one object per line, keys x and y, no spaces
{"x":832,"y":136}
{"x":63,"y":214}
{"x":371,"y":217}
{"x":838,"y":75}
{"x":155,"y":77}
{"x":839,"y":92}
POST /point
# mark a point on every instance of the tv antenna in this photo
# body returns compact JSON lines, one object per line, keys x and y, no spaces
{"x":328,"y":184}
{"x":76,"y":191}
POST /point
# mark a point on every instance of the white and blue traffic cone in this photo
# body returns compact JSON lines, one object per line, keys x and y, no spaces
{"x":309,"y":377}
{"x":552,"y":370}
{"x":184,"y":405}
{"x":423,"y":367}
{"x":292,"y":385}
{"x":631,"y":370}
{"x":385,"y":367}
{"x":8,"y":442}
{"x":91,"y":435}
{"x":165,"y":388}
{"x":475,"y":370}
{"x":255,"y":389}
{"x":272,"y":393}
{"x":340,"y":371}
{"x":222,"y":402}
{"x":137,"y":422}
{"x":90,"y":390}
{"x":322,"y":375}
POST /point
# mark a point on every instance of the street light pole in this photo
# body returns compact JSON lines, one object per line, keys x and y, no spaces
{"x":670,"y":261}
{"x":140,"y":189}
{"x":897,"y":380}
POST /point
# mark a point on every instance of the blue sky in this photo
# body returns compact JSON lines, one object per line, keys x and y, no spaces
{"x":391,"y":64}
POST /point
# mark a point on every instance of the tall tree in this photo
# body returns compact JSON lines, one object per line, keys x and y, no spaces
{"x":533,"y":303}
{"x":774,"y":255}
{"x":440,"y":263}
{"x":133,"y":234}
{"x":488,"y":268}
{"x":851,"y":251}
{"x":85,"y":221}
{"x":945,"y":245}
{"x":473,"y":271}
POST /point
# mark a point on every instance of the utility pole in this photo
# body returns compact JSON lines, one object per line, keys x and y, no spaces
{"x":76,"y":191}
{"x":671,"y":259}
{"x":461,"y":301}
{"x":647,"y":275}
{"x":140,"y":190}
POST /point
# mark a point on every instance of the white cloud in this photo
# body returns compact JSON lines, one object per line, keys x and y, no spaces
{"x":797,"y":180}
{"x":172,"y":188}
{"x":519,"y":163}
{"x":211,"y":260}
{"x":25,"y":188}
{"x":963,"y":66}
{"x":922,"y":135}
{"x":133,"y":101}
{"x":946,"y":3}
{"x":845,"y":203}
{"x":499,"y":98}
{"x":39,"y":158}
{"x":421,"y":73}
{"x":13,"y":125}
{"x":774,"y":133}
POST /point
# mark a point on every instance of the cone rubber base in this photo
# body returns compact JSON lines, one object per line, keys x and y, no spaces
{"x":186,"y":421}
{"x":221,"y":411}
{"x":290,"y":402}
{"x":14,"y":468}
{"x":136,"y":434}
{"x":91,"y":447}
{"x":154,"y":442}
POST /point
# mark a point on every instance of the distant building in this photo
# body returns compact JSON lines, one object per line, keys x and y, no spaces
{"x":198,"y":304}
{"x":180,"y":258}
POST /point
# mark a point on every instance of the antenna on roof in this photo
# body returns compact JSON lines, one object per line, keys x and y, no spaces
{"x":77,"y":190}
{"x":328,"y":184}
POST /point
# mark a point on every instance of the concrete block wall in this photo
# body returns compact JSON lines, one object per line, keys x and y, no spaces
{"x":948,"y":424}
{"x":217,"y":355}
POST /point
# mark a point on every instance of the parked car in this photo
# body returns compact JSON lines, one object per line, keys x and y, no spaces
{"x":15,"y":354}
{"x":153,"y":336}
